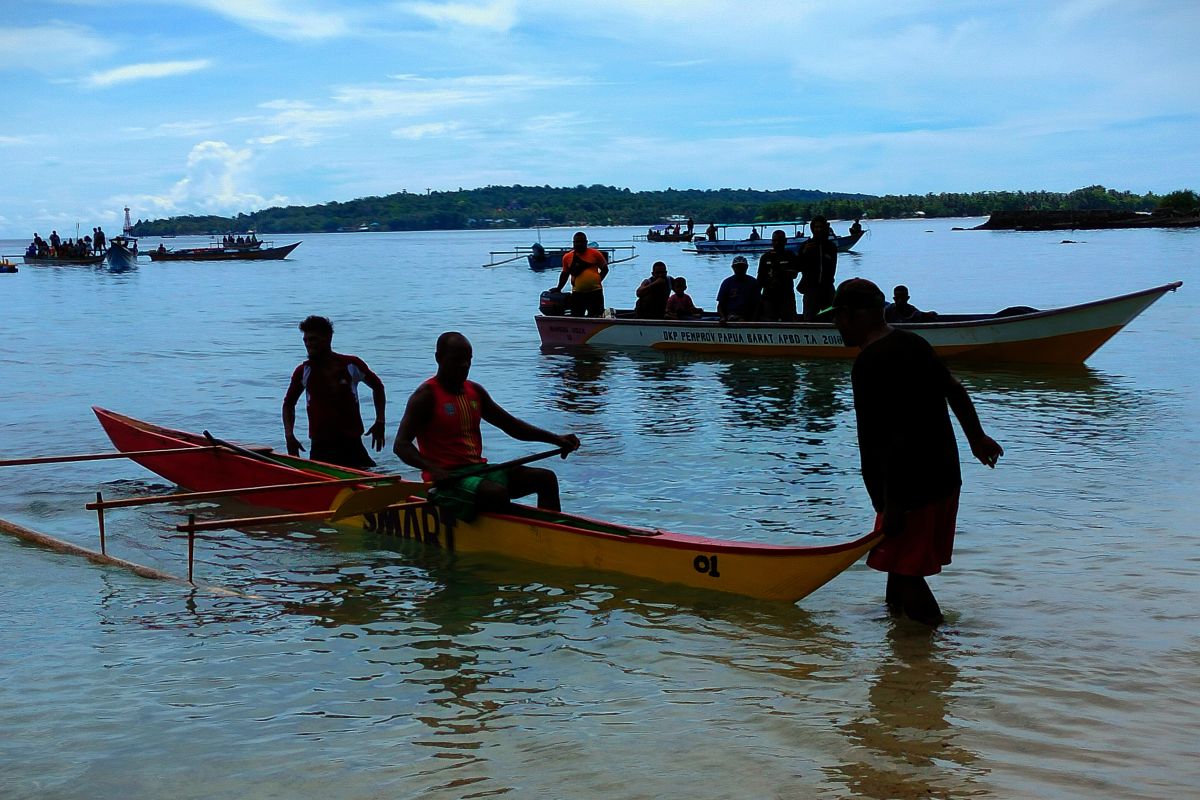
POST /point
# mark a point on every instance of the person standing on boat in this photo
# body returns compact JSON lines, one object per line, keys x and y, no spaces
{"x":737,"y":299}
{"x":98,"y":240}
{"x":586,"y":267}
{"x":818,"y":265}
{"x":443,"y":417}
{"x":329,"y":382}
{"x":906,"y":445}
{"x":777,"y":270}
{"x":710,"y":232}
{"x":653,"y":292}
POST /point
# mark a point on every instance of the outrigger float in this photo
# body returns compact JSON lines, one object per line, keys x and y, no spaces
{"x":542,"y":258}
{"x":1058,"y":336}
{"x":381,"y":503}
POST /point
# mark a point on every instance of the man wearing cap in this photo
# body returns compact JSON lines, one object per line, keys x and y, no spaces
{"x":737,"y":299}
{"x":906,"y":443}
{"x":586,"y":267}
{"x":777,"y":270}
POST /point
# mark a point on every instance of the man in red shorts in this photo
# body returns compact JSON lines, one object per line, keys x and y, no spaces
{"x":443,"y":416}
{"x":330,"y":381}
{"x":909,"y":456}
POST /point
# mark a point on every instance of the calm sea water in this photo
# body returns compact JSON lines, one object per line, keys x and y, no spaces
{"x":1068,"y":667}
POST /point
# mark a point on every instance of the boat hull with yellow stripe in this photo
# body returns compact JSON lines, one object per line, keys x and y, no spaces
{"x":1066,"y":335}
{"x":765,"y":571}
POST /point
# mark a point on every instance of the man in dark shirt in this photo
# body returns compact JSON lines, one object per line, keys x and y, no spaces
{"x":330,"y":381}
{"x":906,"y":443}
{"x":777,"y":269}
{"x":653,"y":292}
{"x":818,"y":265}
{"x":737,"y":299}
{"x":900,"y":310}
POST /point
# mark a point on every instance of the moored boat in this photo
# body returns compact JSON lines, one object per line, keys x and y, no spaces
{"x":7,"y":267}
{"x":122,"y":253}
{"x":1058,"y":336}
{"x":666,"y":233}
{"x":52,"y":261}
{"x":759,"y":240}
{"x":224,"y":253}
{"x":772,"y":572}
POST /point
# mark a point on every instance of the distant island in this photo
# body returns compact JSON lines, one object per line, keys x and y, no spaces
{"x":1089,"y":219}
{"x":530,"y":206}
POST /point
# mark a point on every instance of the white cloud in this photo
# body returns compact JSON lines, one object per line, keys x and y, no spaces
{"x":269,"y":140}
{"x":288,"y":19}
{"x":424,"y":130}
{"x":214,"y":183}
{"x":497,"y":16}
{"x":139,"y":72}
{"x":50,"y":48}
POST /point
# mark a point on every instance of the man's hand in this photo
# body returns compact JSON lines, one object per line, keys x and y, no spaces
{"x":294,"y":447}
{"x":986,"y":450}
{"x":568,"y":442}
{"x":376,"y":433}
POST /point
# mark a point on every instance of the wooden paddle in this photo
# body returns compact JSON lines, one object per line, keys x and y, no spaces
{"x":237,"y":448}
{"x":18,"y":462}
{"x":370,"y":501}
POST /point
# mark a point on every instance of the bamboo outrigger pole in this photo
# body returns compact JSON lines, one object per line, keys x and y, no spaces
{"x":21,"y":462}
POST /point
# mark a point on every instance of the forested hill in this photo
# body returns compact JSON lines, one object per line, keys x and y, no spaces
{"x":526,"y":206}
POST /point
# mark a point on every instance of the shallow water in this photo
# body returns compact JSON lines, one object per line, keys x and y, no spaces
{"x":365,"y":669}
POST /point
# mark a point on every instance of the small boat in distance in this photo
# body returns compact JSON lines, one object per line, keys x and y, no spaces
{"x":122,"y":252}
{"x":258,"y":251}
{"x":1019,"y":334}
{"x":759,"y":240}
{"x":542,"y":258}
{"x":666,"y":233}
{"x":553,"y":538}
{"x":7,"y":267}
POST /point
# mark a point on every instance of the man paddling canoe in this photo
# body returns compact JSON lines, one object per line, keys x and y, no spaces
{"x":443,"y":416}
{"x":330,"y":382}
{"x":909,"y":456}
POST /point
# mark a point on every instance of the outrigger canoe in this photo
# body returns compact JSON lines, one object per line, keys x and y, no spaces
{"x":769,"y":572}
{"x":1059,"y":336}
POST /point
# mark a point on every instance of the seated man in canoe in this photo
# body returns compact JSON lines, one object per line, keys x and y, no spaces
{"x":443,"y":416}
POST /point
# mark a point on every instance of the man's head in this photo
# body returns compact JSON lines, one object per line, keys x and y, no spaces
{"x":900,"y":294}
{"x":453,"y":355}
{"x":779,"y":240}
{"x":857,"y":310}
{"x":819,"y":226}
{"x":579,"y":242}
{"x":318,"y":336}
{"x":740,"y":265}
{"x":659,"y":270}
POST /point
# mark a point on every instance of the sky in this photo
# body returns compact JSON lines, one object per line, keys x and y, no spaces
{"x":179,"y":107}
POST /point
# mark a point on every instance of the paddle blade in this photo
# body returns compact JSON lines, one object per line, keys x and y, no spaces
{"x":372,"y":501}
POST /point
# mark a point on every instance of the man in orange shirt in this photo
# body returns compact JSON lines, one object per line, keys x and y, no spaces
{"x":586,"y":267}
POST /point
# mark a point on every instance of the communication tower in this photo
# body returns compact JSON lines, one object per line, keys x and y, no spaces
{"x":128,"y":229}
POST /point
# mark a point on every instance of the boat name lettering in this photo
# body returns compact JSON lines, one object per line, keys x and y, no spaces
{"x":751,"y":337}
{"x":706,"y":565}
{"x":574,"y":330}
{"x":421,"y":523}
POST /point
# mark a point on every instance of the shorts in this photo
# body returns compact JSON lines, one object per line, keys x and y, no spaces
{"x":460,"y":497}
{"x":925,"y":544}
{"x":343,"y":452}
{"x":586,"y":304}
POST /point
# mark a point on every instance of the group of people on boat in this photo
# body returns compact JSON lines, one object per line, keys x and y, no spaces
{"x":229,"y":240}
{"x":439,"y":432}
{"x":57,"y":247}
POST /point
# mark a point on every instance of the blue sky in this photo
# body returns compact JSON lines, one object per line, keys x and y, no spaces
{"x":221,"y":106}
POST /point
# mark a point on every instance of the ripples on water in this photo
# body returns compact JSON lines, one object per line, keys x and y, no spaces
{"x":362,"y":668}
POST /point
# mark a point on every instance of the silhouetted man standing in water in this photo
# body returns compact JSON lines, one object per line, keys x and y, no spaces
{"x":909,"y":456}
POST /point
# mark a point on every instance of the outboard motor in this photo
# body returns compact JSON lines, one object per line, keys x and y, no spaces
{"x":553,"y":303}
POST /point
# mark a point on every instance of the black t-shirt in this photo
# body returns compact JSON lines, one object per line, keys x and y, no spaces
{"x":777,"y":270}
{"x":653,"y":303}
{"x":818,"y":264}
{"x":909,"y":455}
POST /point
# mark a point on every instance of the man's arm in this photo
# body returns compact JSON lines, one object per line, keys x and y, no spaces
{"x":378,"y":431}
{"x":417,"y":415}
{"x":519,"y":429}
{"x":983,"y":446}
{"x":564,"y":274}
{"x":294,"y":390}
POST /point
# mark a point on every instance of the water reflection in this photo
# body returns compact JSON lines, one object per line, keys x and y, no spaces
{"x":575,"y":378}
{"x":776,"y":393}
{"x":905,"y":729}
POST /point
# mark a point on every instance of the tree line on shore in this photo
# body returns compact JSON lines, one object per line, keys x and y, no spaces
{"x":529,"y":206}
